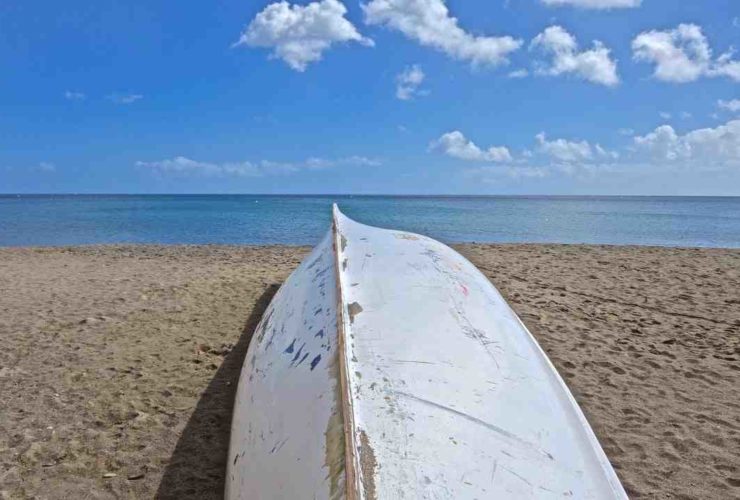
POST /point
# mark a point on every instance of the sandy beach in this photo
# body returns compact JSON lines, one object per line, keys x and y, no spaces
{"x":119,"y":363}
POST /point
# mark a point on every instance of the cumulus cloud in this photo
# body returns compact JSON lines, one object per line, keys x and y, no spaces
{"x":300,"y":34}
{"x":594,"y":4}
{"x":183,"y":166}
{"x":562,"y":150}
{"x":74,"y":96}
{"x":430,"y":23}
{"x":556,"y":154}
{"x":124,"y":98}
{"x":593,"y":65}
{"x":518,"y":73}
{"x":682,"y":55}
{"x":456,"y":145}
{"x":719,"y":146}
{"x":408,"y":82}
{"x":733,"y":105}
{"x":664,"y":149}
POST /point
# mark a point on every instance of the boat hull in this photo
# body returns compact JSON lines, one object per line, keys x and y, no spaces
{"x":287,"y":434}
{"x":428,"y":385}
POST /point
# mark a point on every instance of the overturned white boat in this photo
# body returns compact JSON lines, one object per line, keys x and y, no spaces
{"x":387,"y":366}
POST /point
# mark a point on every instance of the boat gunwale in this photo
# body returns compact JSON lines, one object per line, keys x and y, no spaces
{"x":351,"y":462}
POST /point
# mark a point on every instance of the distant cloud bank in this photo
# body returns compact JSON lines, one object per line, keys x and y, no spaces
{"x":183,"y":166}
{"x":711,"y":148}
{"x":719,"y":146}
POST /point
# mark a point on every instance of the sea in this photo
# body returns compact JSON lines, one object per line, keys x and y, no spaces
{"x":60,"y":220}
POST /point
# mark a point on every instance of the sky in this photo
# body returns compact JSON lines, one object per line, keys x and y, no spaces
{"x":371,"y":97}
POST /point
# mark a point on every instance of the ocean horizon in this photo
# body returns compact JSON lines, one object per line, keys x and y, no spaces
{"x":292,"y":219}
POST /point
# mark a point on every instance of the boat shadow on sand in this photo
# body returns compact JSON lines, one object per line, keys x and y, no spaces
{"x":197,"y":467}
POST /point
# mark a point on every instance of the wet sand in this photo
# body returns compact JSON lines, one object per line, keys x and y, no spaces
{"x":119,"y":364}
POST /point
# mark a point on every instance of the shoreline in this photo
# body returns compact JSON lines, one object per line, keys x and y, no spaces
{"x":456,"y":245}
{"x":132,"y":353}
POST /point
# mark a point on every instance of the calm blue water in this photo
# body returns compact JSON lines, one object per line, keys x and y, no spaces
{"x":249,"y":219}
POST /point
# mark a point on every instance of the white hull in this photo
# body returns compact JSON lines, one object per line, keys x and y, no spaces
{"x":388,"y":366}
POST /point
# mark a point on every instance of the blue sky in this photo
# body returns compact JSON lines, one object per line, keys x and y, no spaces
{"x":377,"y":96}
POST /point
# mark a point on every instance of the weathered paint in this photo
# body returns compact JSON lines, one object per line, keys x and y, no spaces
{"x":287,"y":435}
{"x":439,"y":388}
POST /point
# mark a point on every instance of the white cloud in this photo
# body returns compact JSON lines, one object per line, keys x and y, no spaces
{"x":594,"y":4}
{"x":183,"y":166}
{"x":492,"y":174}
{"x":124,"y":98}
{"x":593,"y":65}
{"x":356,"y":161}
{"x":710,"y":149}
{"x":726,"y":66}
{"x":45,"y":167}
{"x":429,"y":22}
{"x":686,"y":115}
{"x":565,"y":151}
{"x":550,"y":155}
{"x":665,"y":115}
{"x":456,"y":145}
{"x":186,"y":166}
{"x":732,"y":105}
{"x":299,"y":34}
{"x":74,"y":96}
{"x":527,"y":172}
{"x":518,"y":73}
{"x":719,"y":146}
{"x":682,"y":55}
{"x":626,"y":131}
{"x":408,"y":82}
